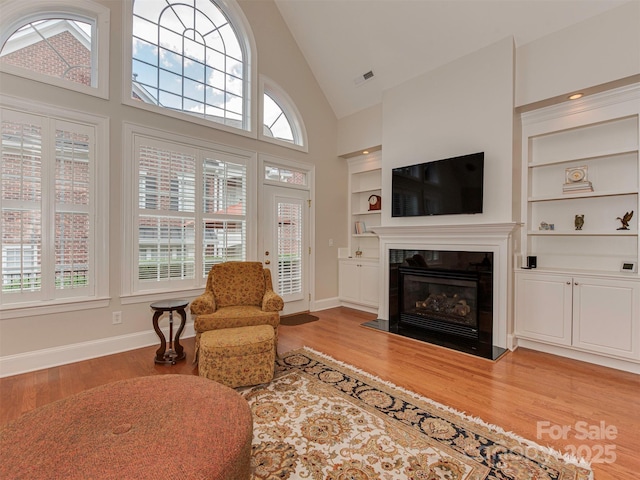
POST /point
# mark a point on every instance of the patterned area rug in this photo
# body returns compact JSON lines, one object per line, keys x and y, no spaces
{"x":322,"y":419}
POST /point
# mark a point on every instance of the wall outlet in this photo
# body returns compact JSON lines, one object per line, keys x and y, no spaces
{"x":116,"y":318}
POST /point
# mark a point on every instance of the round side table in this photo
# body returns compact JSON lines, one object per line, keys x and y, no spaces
{"x":176,"y":351}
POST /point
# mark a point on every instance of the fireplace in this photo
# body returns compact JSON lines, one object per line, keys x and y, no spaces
{"x":443,"y":297}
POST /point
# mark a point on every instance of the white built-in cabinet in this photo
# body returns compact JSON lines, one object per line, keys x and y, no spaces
{"x":591,"y":313}
{"x":359,"y":267}
{"x":579,"y":298}
{"x":359,"y":281}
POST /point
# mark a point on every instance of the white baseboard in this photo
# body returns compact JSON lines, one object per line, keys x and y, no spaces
{"x":325,"y":304}
{"x":53,"y":357}
{"x":334,"y":302}
{"x":618,"y":364}
{"x":362,"y":308}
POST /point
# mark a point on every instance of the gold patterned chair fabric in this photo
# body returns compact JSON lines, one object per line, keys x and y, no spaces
{"x":237,"y":357}
{"x":238,"y":294}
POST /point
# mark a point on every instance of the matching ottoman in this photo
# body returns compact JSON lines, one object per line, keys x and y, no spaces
{"x":238,"y":357}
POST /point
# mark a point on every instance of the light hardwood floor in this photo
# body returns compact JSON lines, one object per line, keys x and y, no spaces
{"x":529,"y":393}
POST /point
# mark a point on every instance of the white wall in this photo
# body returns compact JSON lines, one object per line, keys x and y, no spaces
{"x":360,"y":130}
{"x":461,"y":108}
{"x":596,"y":51}
{"x":58,"y":337}
{"x":602,"y":49}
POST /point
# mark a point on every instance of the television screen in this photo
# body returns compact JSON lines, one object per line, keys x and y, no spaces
{"x":444,"y":187}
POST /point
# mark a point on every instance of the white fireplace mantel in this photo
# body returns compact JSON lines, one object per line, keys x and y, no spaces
{"x":478,"y":237}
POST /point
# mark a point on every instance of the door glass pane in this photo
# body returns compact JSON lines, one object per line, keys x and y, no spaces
{"x":289,"y":236}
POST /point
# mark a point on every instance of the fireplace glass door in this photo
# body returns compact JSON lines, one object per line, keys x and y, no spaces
{"x":440,"y":300}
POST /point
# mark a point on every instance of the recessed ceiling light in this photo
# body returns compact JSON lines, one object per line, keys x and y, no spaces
{"x":576,"y":96}
{"x":365,"y":152}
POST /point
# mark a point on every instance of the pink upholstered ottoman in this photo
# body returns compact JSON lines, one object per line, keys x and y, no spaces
{"x":165,"y":426}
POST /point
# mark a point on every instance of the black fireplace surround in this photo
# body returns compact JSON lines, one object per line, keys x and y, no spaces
{"x":443,"y":297}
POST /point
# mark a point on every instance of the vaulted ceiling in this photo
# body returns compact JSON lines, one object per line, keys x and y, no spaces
{"x":401,"y":39}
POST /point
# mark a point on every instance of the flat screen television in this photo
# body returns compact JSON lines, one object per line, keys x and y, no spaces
{"x":452,"y":186}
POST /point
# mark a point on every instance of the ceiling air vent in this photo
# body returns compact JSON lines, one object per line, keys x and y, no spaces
{"x":363,"y":78}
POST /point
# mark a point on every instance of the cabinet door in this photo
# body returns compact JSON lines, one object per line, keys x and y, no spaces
{"x":369,"y":283}
{"x":607,"y":316}
{"x":543,"y":307}
{"x":349,"y":281}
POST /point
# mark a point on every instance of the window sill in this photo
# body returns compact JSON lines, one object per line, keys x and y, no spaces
{"x":148,"y":297}
{"x":68,"y":305}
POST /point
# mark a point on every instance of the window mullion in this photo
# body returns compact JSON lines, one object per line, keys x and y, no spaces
{"x":48,"y":210}
{"x":199,"y":217}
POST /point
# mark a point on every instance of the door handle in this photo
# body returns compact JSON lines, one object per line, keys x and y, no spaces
{"x":267,"y":262}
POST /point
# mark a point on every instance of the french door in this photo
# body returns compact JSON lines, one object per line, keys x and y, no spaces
{"x":285,"y":244}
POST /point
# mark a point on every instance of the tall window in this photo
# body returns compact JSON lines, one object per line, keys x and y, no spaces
{"x":191,"y":212}
{"x":62,"y":42}
{"x":50,"y":230}
{"x":188,"y":57}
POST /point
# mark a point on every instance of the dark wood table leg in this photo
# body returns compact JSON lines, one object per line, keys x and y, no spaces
{"x":179,"y":349}
{"x":163,"y":341}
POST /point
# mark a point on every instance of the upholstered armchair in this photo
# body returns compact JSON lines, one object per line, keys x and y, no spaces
{"x":238,"y":294}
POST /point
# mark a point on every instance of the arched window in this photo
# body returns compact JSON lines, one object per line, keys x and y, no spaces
{"x":62,"y":43}
{"x":190,"y":57}
{"x":276,"y":124}
{"x":281,"y":121}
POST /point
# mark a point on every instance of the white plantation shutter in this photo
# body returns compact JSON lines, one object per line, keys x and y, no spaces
{"x":191,"y":212}
{"x":290,"y":238}
{"x":48,"y":208}
{"x":166,"y":215}
{"x":21,"y":203}
{"x":224,"y":211}
{"x":73,"y":207}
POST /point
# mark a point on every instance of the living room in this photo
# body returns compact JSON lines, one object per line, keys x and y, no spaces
{"x":473,"y":103}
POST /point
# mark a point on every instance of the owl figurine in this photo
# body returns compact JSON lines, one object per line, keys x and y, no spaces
{"x":579,"y":222}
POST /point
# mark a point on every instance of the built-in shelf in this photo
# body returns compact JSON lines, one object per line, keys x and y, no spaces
{"x":581,"y":300}
{"x":605,"y":143}
{"x":358,"y":277}
{"x":582,"y":272}
{"x":594,"y":156}
{"x":365,"y":180}
{"x":367,"y":190}
{"x":571,"y":196}
{"x":584,"y":233}
{"x":360,"y":235}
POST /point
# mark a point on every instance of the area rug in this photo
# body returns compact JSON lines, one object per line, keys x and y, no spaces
{"x":324,"y":420}
{"x":298,"y":319}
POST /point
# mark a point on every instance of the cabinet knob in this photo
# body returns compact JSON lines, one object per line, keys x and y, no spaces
{"x":568,"y":283}
{"x":576,"y":283}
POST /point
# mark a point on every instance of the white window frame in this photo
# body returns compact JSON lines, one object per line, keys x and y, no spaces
{"x":289,"y":108}
{"x":100,"y":246}
{"x":17,"y":13}
{"x":132,"y":290}
{"x":247,"y":42}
